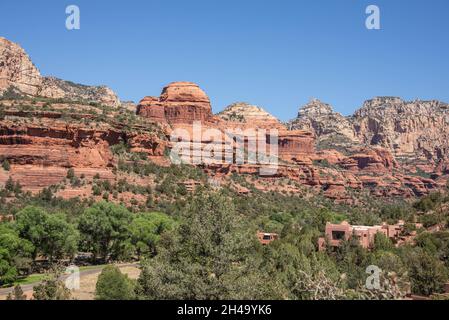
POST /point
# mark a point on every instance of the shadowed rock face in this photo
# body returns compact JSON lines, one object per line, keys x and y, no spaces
{"x":18,"y":71}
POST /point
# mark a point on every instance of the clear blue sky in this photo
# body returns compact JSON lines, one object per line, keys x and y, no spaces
{"x":276,"y":54}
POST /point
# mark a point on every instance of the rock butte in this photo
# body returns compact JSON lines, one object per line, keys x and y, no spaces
{"x":179,"y":103}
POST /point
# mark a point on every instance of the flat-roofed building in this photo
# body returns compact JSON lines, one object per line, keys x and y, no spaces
{"x":266,"y":238}
{"x":336,"y":233}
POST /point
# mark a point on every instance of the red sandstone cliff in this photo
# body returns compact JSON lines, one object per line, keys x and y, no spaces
{"x":179,"y":103}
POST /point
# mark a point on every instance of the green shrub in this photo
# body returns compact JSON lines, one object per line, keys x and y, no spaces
{"x":112,"y":284}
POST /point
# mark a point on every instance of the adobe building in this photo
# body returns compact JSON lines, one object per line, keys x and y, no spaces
{"x":336,"y":233}
{"x":266,"y":238}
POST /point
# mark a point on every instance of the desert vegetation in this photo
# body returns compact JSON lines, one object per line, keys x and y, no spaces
{"x":203,"y":245}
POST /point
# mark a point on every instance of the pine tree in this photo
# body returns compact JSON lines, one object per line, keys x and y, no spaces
{"x":6,"y":166}
{"x":17,"y":294}
{"x":112,"y":284}
{"x":210,"y":257}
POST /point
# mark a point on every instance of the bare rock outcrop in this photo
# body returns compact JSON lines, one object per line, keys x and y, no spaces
{"x":17,"y":69}
{"x":60,"y":89}
{"x":245,"y":114}
{"x":179,"y":103}
{"x":412,"y":131}
{"x":333,"y":131}
{"x":18,"y":72}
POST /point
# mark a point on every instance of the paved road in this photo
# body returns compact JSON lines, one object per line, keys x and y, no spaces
{"x":83,"y":273}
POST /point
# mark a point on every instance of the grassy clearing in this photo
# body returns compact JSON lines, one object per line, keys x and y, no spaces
{"x":38,"y":277}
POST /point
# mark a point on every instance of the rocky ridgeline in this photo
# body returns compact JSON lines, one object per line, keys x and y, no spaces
{"x":248,"y":114}
{"x":412,"y":131}
{"x":342,"y":161}
{"x":389,"y":147}
{"x":18,"y":73}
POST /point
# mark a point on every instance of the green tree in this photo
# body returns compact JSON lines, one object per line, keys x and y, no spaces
{"x":382,"y":242}
{"x":70,"y":174}
{"x":51,"y":234}
{"x":17,"y":294}
{"x":6,"y":166}
{"x":210,"y":257}
{"x":15,"y":254}
{"x":104,"y":229}
{"x":298,"y":271}
{"x":112,"y":284}
{"x":62,"y":238}
{"x":427,"y":274}
{"x":146,"y":230}
{"x":52,"y":288}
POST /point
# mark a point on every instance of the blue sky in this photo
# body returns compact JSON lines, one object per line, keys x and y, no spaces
{"x":276,"y":54}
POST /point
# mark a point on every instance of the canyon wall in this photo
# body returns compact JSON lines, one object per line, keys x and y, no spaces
{"x":388,"y":148}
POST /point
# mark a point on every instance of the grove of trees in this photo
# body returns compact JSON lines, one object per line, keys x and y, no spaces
{"x":205,"y":247}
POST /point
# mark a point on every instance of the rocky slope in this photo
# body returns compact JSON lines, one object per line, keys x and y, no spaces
{"x":16,"y":69}
{"x":18,"y":73}
{"x":414,"y":132}
{"x":341,"y":163}
{"x":42,"y":144}
{"x":60,"y":89}
{"x":331,"y":128}
{"x":244,"y":113}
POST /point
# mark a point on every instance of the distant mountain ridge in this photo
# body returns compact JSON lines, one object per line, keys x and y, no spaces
{"x":411,"y":130}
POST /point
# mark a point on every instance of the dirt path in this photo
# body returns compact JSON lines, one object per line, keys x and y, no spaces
{"x":88,"y":281}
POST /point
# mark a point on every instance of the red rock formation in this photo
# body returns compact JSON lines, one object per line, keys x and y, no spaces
{"x":179,"y":103}
{"x":147,"y":143}
{"x":296,"y":145}
{"x":329,"y":171}
{"x":376,"y":160}
{"x":245,"y":115}
{"x":41,"y":155}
